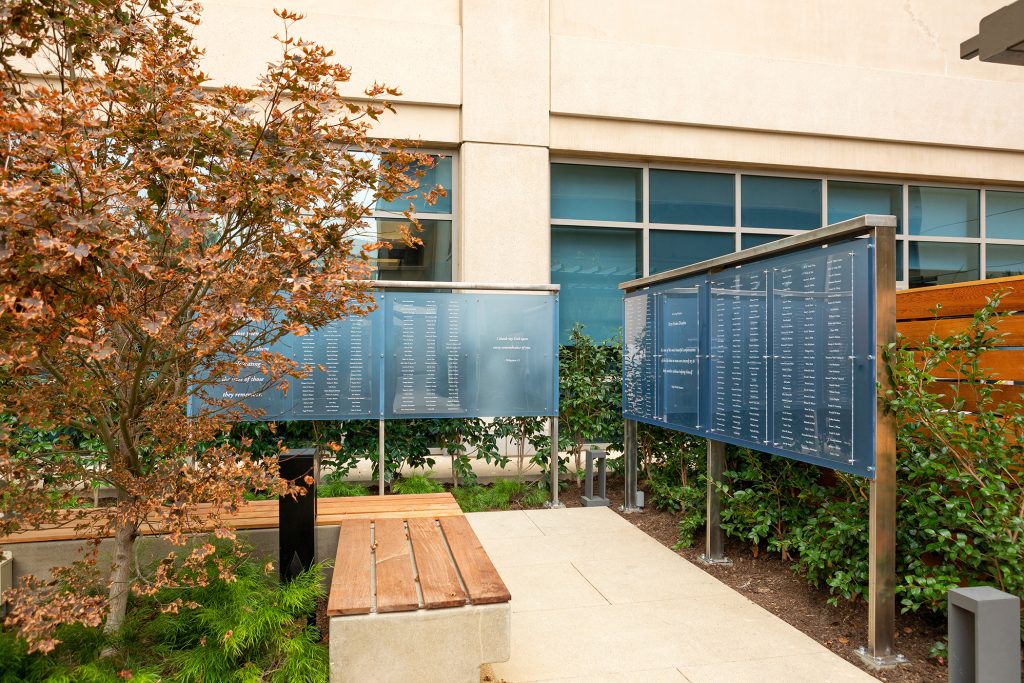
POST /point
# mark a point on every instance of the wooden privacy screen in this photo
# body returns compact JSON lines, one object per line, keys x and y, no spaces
{"x":917,"y":318}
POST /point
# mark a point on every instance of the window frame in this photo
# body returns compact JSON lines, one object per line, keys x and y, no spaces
{"x":452,"y":217}
{"x":903,"y":238}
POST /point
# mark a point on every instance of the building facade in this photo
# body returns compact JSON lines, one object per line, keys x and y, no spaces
{"x":588,"y":142}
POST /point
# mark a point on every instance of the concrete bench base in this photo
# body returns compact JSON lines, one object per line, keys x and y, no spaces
{"x":442,"y":645}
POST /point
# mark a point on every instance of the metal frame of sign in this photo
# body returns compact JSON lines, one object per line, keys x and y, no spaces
{"x":876,"y":429}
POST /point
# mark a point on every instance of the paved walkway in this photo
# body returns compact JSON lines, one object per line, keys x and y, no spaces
{"x":596,"y":599}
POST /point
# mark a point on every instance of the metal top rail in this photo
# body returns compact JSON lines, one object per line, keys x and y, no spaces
{"x":483,"y":286}
{"x":854,"y":226}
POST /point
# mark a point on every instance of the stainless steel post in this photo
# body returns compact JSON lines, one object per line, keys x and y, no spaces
{"x":629,"y":502}
{"x":553,"y":466}
{"x":880,"y":651}
{"x":380,"y":457}
{"x":714,"y":545}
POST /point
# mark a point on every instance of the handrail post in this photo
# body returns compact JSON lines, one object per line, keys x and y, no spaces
{"x":553,"y":466}
{"x":380,"y":457}
{"x":880,"y":651}
{"x":629,"y":502}
{"x":714,"y":542}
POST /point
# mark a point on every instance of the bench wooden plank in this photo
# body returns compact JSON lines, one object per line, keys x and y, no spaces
{"x":438,"y":580}
{"x":262,"y":514}
{"x":396,"y":587}
{"x":478,"y":574}
{"x":351,"y":592}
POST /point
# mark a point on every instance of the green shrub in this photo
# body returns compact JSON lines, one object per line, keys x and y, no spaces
{"x":764,"y":499}
{"x":333,"y":485}
{"x":590,"y":388}
{"x":503,"y":494}
{"x":675,"y":478}
{"x":416,"y":483}
{"x":251,"y":629}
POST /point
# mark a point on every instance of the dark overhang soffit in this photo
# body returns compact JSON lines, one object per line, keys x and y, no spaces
{"x":1000,"y":37}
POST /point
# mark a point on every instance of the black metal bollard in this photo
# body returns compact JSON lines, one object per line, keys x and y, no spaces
{"x":296,"y":517}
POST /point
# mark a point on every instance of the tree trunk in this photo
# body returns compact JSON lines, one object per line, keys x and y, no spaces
{"x":120,"y":573}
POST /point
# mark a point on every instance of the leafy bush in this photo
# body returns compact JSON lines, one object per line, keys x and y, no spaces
{"x":763,"y":499}
{"x":503,"y":494}
{"x":590,"y":401}
{"x":675,"y":478}
{"x":416,"y":483}
{"x":962,"y":489}
{"x":333,"y":485}
{"x":251,"y":629}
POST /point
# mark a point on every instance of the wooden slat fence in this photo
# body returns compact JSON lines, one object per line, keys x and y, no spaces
{"x":945,"y":310}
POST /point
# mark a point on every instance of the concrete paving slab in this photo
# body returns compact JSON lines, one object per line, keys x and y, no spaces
{"x":550,"y":586}
{"x":643,"y":578}
{"x":546,"y":549}
{"x":647,"y":676}
{"x":596,"y":643}
{"x":596,"y":599}
{"x":573,"y":521}
{"x":512,"y":524}
{"x":820,"y":668}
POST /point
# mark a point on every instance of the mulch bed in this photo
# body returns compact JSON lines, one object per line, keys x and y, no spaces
{"x":768,"y":581}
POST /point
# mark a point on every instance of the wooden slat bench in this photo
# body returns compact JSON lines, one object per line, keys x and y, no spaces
{"x":414,"y":597}
{"x":256,"y":514}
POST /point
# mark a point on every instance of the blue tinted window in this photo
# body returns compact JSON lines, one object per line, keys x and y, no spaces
{"x":604,"y":193}
{"x":944,"y":212}
{"x":690,"y":198}
{"x":849,"y":200}
{"x":671,"y":249}
{"x":589,"y":264}
{"x":431,"y":260}
{"x":939,"y":263}
{"x":1004,"y":215}
{"x":756,"y":239}
{"x":1004,"y":260}
{"x":900,"y":245}
{"x":791,"y":203}
{"x":438,"y":174}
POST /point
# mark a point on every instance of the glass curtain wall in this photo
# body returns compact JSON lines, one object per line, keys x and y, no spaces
{"x":612,"y":222}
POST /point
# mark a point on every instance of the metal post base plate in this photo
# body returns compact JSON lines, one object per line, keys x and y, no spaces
{"x":554,"y":506}
{"x":626,"y":510}
{"x":594,"y":501}
{"x":720,"y":561}
{"x":886,"y":662}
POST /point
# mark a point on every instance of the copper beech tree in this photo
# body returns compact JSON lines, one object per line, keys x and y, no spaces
{"x":146,"y":220}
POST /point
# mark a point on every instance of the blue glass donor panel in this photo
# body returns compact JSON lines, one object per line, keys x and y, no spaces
{"x":470,"y":355}
{"x":775,"y":355}
{"x":341,"y":382}
{"x":678,"y":348}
